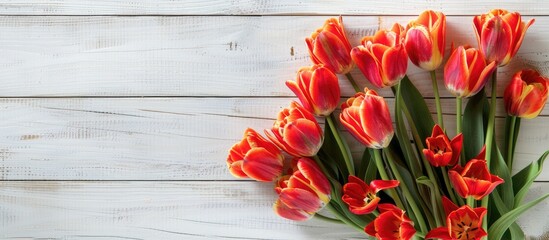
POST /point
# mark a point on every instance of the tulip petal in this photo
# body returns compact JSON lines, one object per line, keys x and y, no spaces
{"x":456,"y":143}
{"x":448,"y":205}
{"x":284,"y":211}
{"x":312,"y":172}
{"x":262,"y":165}
{"x":303,"y":136}
{"x":324,"y":91}
{"x":459,"y":184}
{"x":378,"y":185}
{"x":419,"y":45}
{"x":439,"y":233}
{"x":394,"y":65}
{"x":368,"y":65}
{"x":370,"y":229}
{"x":235,"y":169}
{"x":297,"y":198}
{"x":456,"y":73}
{"x":496,"y":40}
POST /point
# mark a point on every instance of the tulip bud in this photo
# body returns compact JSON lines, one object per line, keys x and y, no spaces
{"x":296,"y":131}
{"x":329,"y":46}
{"x":317,"y":88}
{"x":526,"y":94}
{"x":425,"y":40}
{"x":366,"y":116}
{"x":255,"y":157}
{"x":303,"y":193}
{"x":466,"y":72}
{"x":500,"y":34}
{"x":382,"y":58}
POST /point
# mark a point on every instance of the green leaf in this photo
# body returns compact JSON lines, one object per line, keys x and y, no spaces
{"x":499,"y":227}
{"x":371,"y":170}
{"x":525,"y":177}
{"x":419,"y":112}
{"x":499,"y":168}
{"x":514,"y":230}
{"x":475,"y":118}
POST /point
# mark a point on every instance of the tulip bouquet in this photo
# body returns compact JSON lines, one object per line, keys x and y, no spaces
{"x":413,"y":180}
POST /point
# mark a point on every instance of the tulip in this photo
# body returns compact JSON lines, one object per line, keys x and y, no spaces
{"x":366,"y":116}
{"x":425,"y":40}
{"x":440,"y":150}
{"x":474,"y":180}
{"x":317,"y":88}
{"x":361,"y":197}
{"x":255,"y":157}
{"x":500,"y":34}
{"x":329,"y":45}
{"x":526,"y":94}
{"x":391,"y":224}
{"x":466,"y":72}
{"x":303,"y":193}
{"x":296,"y":131}
{"x":464,"y":223}
{"x":382,"y":58}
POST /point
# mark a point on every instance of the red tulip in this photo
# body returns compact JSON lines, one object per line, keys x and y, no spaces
{"x":317,"y":88}
{"x":366,"y":116}
{"x":463,"y":223}
{"x":526,"y":94}
{"x":440,"y":150}
{"x":361,"y":197}
{"x":303,"y":193}
{"x":255,"y":157}
{"x":382,"y":58}
{"x":391,"y":224}
{"x":329,"y":45}
{"x":425,"y":40}
{"x":500,"y":34}
{"x":296,"y":131}
{"x":466,"y":72}
{"x":474,"y":179}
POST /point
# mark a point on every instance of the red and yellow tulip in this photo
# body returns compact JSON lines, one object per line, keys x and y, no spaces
{"x":440,"y":151}
{"x":303,"y":193}
{"x":526,"y":94}
{"x":317,"y":89}
{"x":296,"y":131}
{"x":329,"y":46}
{"x":366,"y":116}
{"x":466,"y":72}
{"x":426,"y":39}
{"x":255,"y":157}
{"x":500,"y":34}
{"x":391,"y":224}
{"x":474,"y":180}
{"x":361,"y":197}
{"x":382,"y":58}
{"x":464,"y":223}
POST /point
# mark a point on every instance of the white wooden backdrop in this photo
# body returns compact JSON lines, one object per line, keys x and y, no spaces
{"x":116,"y":116}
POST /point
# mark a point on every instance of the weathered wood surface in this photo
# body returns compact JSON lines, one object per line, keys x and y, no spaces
{"x":195,"y":56}
{"x":257,"y":7}
{"x":169,"y":210}
{"x":159,"y":138}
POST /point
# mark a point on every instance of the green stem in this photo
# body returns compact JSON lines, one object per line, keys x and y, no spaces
{"x":352,"y":80}
{"x":343,"y":218}
{"x":437,"y":99}
{"x":375,"y":212}
{"x":511,"y":142}
{"x":406,"y":191}
{"x":490,"y":137}
{"x":328,"y":219}
{"x":343,"y":147}
{"x":459,"y":129}
{"x":384,"y":176}
{"x":471,"y":202}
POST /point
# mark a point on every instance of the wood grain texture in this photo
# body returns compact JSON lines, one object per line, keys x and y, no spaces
{"x":196,"y":56}
{"x":170,"y":210}
{"x":259,"y":7}
{"x":160,"y":138}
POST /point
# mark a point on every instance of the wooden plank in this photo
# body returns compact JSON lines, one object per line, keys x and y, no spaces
{"x":170,"y":210}
{"x":254,"y":7}
{"x":194,"y":56}
{"x":159,"y":138}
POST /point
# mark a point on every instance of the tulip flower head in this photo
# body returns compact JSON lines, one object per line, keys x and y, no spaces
{"x":500,"y":34}
{"x":255,"y":157}
{"x":296,"y":131}
{"x":474,"y":179}
{"x":382,"y":58}
{"x":526,"y":94}
{"x":329,"y":46}
{"x":317,"y":89}
{"x":391,"y":224}
{"x":425,"y":40}
{"x":464,"y":223}
{"x":440,"y":151}
{"x":303,"y":193}
{"x":366,"y":116}
{"x":361,"y":197}
{"x":466,"y":72}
